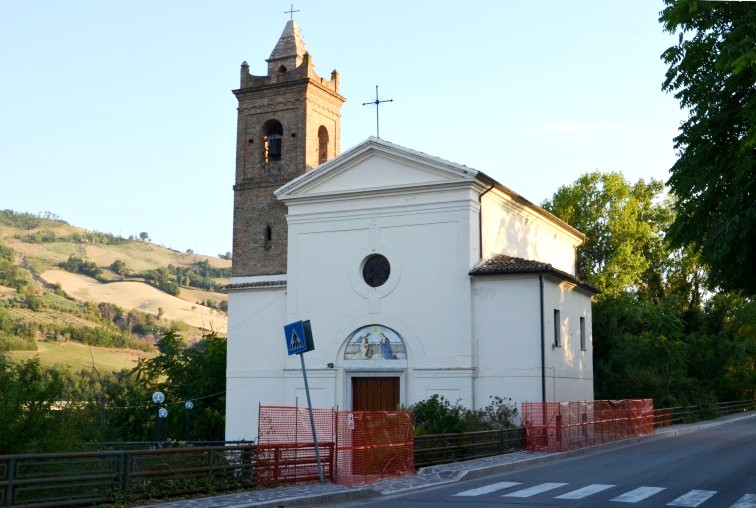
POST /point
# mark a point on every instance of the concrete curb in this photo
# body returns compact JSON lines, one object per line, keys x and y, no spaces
{"x":318,"y":499}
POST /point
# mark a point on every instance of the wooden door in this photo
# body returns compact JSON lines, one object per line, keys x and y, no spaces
{"x":375,"y":393}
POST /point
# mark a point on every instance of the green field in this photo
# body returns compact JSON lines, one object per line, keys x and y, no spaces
{"x":75,"y":356}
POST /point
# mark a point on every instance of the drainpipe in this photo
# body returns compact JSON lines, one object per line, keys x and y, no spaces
{"x":543,"y":344}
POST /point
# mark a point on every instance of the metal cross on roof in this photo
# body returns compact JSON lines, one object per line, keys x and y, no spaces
{"x":291,"y":11}
{"x":377,"y":103}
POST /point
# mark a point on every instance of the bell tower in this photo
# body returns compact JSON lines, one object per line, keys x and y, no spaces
{"x":289,"y":121}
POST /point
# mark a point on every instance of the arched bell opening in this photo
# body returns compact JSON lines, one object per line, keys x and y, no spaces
{"x":272,"y":140}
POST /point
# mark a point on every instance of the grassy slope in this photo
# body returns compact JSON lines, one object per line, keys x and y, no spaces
{"x":41,"y":260}
{"x":79,"y":356}
{"x":138,"y":295}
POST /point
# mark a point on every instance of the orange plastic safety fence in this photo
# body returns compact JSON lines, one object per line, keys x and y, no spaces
{"x":285,"y":449}
{"x":373,"y":445}
{"x":356,"y":447}
{"x":562,"y":426}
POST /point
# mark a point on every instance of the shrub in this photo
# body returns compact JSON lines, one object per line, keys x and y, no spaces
{"x":437,"y":415}
{"x":78,"y":265}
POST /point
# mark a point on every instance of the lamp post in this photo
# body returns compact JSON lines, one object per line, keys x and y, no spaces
{"x":188,"y":405}
{"x":162,"y":415}
{"x":157,"y":399}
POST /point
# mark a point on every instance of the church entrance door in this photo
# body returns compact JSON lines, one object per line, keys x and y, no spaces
{"x":375,"y":393}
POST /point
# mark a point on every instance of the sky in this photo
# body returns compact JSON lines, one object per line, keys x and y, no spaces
{"x":118,"y":116}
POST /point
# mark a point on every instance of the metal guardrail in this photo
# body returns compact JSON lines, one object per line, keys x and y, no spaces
{"x":442,"y":448}
{"x":687,"y":414}
{"x":87,"y":478}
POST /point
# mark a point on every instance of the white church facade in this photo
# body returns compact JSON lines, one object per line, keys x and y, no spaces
{"x":419,"y":276}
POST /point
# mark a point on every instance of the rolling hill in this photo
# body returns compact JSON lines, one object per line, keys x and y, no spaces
{"x":74,"y":297}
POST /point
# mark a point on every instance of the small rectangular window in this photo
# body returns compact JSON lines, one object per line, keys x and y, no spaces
{"x":582,"y":333}
{"x":557,"y":329}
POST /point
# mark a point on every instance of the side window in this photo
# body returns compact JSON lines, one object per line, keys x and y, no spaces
{"x":272,"y":137}
{"x":582,"y":333}
{"x":557,"y":329}
{"x":322,"y":145}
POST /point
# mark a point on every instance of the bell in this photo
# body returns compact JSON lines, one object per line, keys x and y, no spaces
{"x":274,"y":145}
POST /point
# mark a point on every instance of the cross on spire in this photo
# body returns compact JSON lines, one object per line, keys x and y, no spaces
{"x":377,"y":103}
{"x":291,"y":11}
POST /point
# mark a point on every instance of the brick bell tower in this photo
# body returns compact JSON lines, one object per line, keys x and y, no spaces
{"x":289,"y":122}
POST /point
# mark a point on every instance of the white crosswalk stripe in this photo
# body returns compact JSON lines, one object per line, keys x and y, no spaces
{"x":747,"y":501}
{"x":585,"y":491}
{"x":693,"y":498}
{"x":690,"y":499}
{"x":532,"y":491}
{"x":487,"y":489}
{"x":637,"y":495}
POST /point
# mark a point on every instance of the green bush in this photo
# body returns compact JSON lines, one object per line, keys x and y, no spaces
{"x":10,"y":342}
{"x":78,"y":265}
{"x":437,"y":415}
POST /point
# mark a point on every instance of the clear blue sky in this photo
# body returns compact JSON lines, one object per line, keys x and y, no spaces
{"x":119,"y":116}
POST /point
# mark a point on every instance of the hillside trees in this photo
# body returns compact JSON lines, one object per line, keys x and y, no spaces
{"x":712,"y":72}
{"x":654,"y":333}
{"x":163,"y":279}
{"x":49,"y":409}
{"x":33,"y":416}
{"x":196,"y":373}
{"x":11,"y":274}
{"x":119,"y":267}
{"x":77,"y":265}
{"x":625,"y":227}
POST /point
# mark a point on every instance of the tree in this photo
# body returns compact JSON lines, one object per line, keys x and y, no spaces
{"x":144,"y":236}
{"x":30,"y":422}
{"x":196,"y":373}
{"x":624,"y":225}
{"x":119,"y":267}
{"x":712,"y":72}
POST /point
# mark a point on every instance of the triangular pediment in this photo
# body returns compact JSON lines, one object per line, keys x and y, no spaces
{"x":375,"y":165}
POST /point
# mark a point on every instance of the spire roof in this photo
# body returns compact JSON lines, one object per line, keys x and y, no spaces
{"x":290,"y":44}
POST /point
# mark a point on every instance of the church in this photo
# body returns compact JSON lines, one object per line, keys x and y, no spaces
{"x":419,"y":276}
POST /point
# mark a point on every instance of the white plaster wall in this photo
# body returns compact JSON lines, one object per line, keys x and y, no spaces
{"x":506,"y":313}
{"x":507,"y":338}
{"x":426,"y":300}
{"x":456,"y":385}
{"x":512,"y":229}
{"x":256,"y":352}
{"x":569,"y":369}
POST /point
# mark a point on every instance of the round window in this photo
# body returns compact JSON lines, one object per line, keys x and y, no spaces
{"x":376,"y":270}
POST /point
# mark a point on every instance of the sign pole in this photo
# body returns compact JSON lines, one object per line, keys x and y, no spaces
{"x":312,"y":419}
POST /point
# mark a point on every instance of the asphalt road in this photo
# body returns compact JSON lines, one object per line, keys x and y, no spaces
{"x":715,"y":467}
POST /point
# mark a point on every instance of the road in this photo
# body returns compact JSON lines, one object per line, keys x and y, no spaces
{"x":714,"y":467}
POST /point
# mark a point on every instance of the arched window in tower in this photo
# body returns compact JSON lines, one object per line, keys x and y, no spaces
{"x":273,"y":134}
{"x":322,"y":145}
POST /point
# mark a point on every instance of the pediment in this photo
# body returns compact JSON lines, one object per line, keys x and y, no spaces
{"x":375,"y":165}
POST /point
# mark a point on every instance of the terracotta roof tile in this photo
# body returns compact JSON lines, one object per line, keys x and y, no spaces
{"x":502,"y":264}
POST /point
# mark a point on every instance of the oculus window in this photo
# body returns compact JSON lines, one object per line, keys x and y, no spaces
{"x":376,"y":270}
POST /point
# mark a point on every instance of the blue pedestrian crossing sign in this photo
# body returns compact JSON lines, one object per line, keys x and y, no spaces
{"x":298,"y":337}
